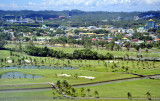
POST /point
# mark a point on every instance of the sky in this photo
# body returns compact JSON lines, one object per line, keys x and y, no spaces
{"x":85,"y":5}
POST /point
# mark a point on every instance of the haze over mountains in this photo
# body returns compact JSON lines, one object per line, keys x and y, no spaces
{"x":89,"y":5}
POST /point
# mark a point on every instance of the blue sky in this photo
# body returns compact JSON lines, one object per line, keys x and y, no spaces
{"x":85,"y":5}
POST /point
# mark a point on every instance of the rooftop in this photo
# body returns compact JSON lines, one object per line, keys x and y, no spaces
{"x":150,"y":20}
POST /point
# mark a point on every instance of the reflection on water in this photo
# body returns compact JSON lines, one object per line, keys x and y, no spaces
{"x":18,"y":75}
{"x":40,"y":67}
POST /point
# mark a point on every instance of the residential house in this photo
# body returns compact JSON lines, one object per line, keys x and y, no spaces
{"x":87,"y":34}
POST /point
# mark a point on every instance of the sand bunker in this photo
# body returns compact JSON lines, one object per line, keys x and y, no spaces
{"x":87,"y":77}
{"x":64,"y":75}
{"x":112,"y":61}
{"x":9,"y":61}
{"x":27,"y":61}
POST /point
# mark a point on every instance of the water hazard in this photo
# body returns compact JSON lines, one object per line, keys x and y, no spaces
{"x":14,"y":75}
{"x":41,"y":67}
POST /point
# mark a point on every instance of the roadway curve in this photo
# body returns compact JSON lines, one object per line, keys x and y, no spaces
{"x":75,"y":85}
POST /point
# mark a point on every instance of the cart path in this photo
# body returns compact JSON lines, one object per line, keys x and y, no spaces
{"x":75,"y":85}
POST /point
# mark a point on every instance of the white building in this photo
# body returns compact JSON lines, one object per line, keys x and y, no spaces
{"x":141,"y":30}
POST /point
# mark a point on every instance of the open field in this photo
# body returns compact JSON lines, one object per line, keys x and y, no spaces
{"x":132,"y":53}
{"x":102,"y":70}
{"x":50,"y":76}
{"x":21,"y":96}
{"x":137,"y":88}
{"x":47,"y":96}
{"x":93,"y":63}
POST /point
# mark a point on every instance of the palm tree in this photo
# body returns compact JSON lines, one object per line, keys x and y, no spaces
{"x":88,"y":90}
{"x":148,"y":95}
{"x":58,"y":84}
{"x":82,"y":89}
{"x":129,"y":95}
{"x":73,"y":91}
{"x":96,"y":93}
{"x":53,"y":93}
{"x":69,"y":87}
{"x":64,"y":83}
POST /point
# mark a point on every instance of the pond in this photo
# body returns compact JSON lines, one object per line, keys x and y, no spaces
{"x":155,"y":52}
{"x":14,"y":75}
{"x":41,"y":67}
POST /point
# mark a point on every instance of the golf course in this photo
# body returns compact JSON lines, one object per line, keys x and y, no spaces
{"x":27,"y":77}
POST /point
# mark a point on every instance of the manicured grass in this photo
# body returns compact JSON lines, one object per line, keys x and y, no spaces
{"x":104,"y":52}
{"x":4,"y":54}
{"x":94,"y":66}
{"x":46,"y":96}
{"x":124,"y":52}
{"x":97,"y":70}
{"x":100,"y":69}
{"x":24,"y":96}
{"x":149,"y":72}
{"x":50,"y":76}
{"x":137,"y":88}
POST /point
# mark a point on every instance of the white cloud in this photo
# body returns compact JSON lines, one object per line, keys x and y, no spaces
{"x":108,"y":5}
{"x":2,"y":5}
{"x":125,"y":1}
{"x":13,"y":5}
{"x":152,"y":1}
{"x":31,"y":3}
{"x":92,"y":4}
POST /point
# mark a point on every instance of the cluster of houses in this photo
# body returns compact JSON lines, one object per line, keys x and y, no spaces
{"x":149,"y":24}
{"x":88,"y":31}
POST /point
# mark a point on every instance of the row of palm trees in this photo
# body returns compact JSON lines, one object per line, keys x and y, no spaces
{"x":148,"y":95}
{"x":71,"y":91}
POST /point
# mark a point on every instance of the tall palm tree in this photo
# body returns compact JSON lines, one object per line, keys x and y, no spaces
{"x":88,"y":90}
{"x":129,"y":95}
{"x":148,"y":95}
{"x":64,"y":83}
{"x":58,"y":84}
{"x":82,"y":89}
{"x":69,"y":87}
{"x":53,"y":93}
{"x":73,"y":91}
{"x":96,"y":93}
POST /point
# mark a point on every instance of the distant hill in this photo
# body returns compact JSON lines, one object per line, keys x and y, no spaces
{"x":100,"y":14}
{"x":86,"y":18}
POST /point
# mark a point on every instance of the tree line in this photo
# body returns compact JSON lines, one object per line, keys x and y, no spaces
{"x":77,"y":54}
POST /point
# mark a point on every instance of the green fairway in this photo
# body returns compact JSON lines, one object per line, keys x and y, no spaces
{"x":150,"y":67}
{"x":24,"y":96}
{"x":50,"y":76}
{"x":46,"y":96}
{"x":136,"y":88}
{"x":102,"y":70}
{"x":124,"y":52}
